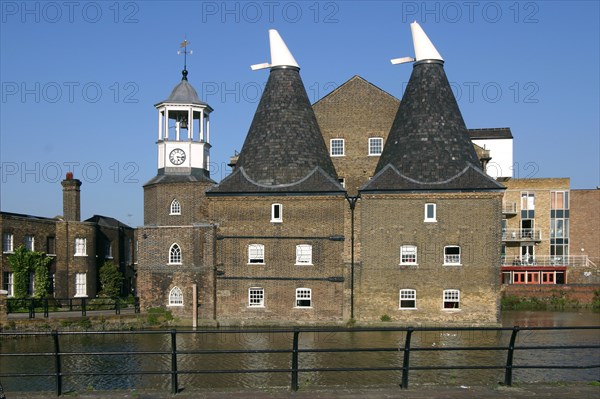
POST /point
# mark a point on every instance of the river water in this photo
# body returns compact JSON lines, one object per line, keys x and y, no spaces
{"x":118,"y":365}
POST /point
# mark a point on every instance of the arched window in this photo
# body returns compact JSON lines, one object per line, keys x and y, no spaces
{"x":175,"y":297}
{"x":175,"y":208}
{"x":175,"y":254}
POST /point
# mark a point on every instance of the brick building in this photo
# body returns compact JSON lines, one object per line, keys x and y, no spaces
{"x":77,"y":248}
{"x":176,"y":243}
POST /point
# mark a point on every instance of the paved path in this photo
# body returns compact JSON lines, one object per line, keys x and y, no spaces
{"x":522,"y":391}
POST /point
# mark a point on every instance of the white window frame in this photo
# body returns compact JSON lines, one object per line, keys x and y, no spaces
{"x":80,"y":246}
{"x":371,"y":145}
{"x":451,"y":296}
{"x":407,"y":295}
{"x":175,"y":208}
{"x":304,"y":254}
{"x":452,"y":259}
{"x":342,"y":181}
{"x":276,"y":213}
{"x":175,"y":254}
{"x":434,"y":207}
{"x":303,"y":294}
{"x":29,"y":242}
{"x":256,"y":297}
{"x":80,"y":285}
{"x":175,"y":297}
{"x":254,"y":254}
{"x":9,"y":283}
{"x":108,"y":249}
{"x":8,"y":243}
{"x":406,"y":251}
{"x":336,"y":153}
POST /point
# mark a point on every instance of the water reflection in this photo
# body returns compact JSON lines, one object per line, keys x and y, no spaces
{"x":117,"y":367}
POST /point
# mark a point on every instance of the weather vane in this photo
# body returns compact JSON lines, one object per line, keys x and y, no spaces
{"x":184,"y":44}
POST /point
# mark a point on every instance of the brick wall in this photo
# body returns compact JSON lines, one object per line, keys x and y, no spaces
{"x":156,"y":277}
{"x":158,"y":199}
{"x":311,"y":220}
{"x":582,"y":293}
{"x":470,"y":220}
{"x":356,"y":111}
{"x":585,"y":224}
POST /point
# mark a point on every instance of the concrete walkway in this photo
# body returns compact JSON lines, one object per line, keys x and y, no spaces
{"x":521,"y":391}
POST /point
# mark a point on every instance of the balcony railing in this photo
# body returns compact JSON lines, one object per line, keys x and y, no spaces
{"x":521,"y":235}
{"x":509,"y":208}
{"x":545,"y":260}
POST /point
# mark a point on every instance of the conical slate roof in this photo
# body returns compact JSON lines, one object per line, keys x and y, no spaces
{"x":284,"y":150}
{"x":428,"y":146}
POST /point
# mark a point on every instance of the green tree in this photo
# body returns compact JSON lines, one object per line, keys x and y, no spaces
{"x":110,"y":280}
{"x":22,"y":263}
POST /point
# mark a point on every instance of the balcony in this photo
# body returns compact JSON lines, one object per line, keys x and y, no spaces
{"x":518,"y":235}
{"x":509,"y":208}
{"x":545,"y":260}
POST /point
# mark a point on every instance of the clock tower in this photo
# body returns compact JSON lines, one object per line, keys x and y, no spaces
{"x":175,"y":196}
{"x":183,"y":132}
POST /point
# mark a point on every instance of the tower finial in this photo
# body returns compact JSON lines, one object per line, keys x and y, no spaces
{"x":185,"y":52}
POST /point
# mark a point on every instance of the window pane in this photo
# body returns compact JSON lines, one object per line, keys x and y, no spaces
{"x":337,"y":147}
{"x":256,"y":297}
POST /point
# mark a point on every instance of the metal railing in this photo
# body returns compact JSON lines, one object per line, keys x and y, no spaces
{"x":545,"y":260}
{"x":58,"y":354}
{"x":521,"y":235}
{"x":55,"y":305}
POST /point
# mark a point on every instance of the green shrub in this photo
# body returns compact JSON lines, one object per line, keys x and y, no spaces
{"x":385,"y":317}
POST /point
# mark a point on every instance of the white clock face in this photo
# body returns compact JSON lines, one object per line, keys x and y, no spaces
{"x":177,"y":156}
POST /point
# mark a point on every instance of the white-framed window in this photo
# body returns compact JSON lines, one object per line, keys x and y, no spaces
{"x":29,"y":242}
{"x":9,"y":283}
{"x":7,"y":243}
{"x":303,"y":298}
{"x":256,"y":297}
{"x":175,"y":254}
{"x":337,"y":147}
{"x":430,"y":213}
{"x":80,"y":247}
{"x":276,"y":213}
{"x":452,"y":255}
{"x":408,"y":299}
{"x":304,"y":254}
{"x":108,"y":250}
{"x":175,"y":208}
{"x":375,"y":145}
{"x":51,"y":245}
{"x":80,"y":285}
{"x":175,"y":297}
{"x":451,"y":299}
{"x":342,"y":181}
{"x":256,"y":253}
{"x":408,"y":255}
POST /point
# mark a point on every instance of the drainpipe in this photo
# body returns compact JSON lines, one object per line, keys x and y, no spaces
{"x":352,"y":202}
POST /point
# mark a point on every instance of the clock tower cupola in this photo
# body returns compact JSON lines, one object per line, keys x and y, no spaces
{"x":183,"y":130}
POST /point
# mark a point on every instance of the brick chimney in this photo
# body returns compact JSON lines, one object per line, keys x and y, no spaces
{"x":71,"y":198}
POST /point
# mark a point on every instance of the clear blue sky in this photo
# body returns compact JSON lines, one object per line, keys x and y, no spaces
{"x":79,"y":81}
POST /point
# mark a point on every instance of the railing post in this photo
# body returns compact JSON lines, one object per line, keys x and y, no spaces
{"x":136,"y":305}
{"x":45,"y":307}
{"x":117,"y":306}
{"x":174,"y":384}
{"x":509,"y":357}
{"x":57,"y":367}
{"x":294,"y":385}
{"x":406,"y":362}
{"x":31,"y":308}
{"x":83,"y":309}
